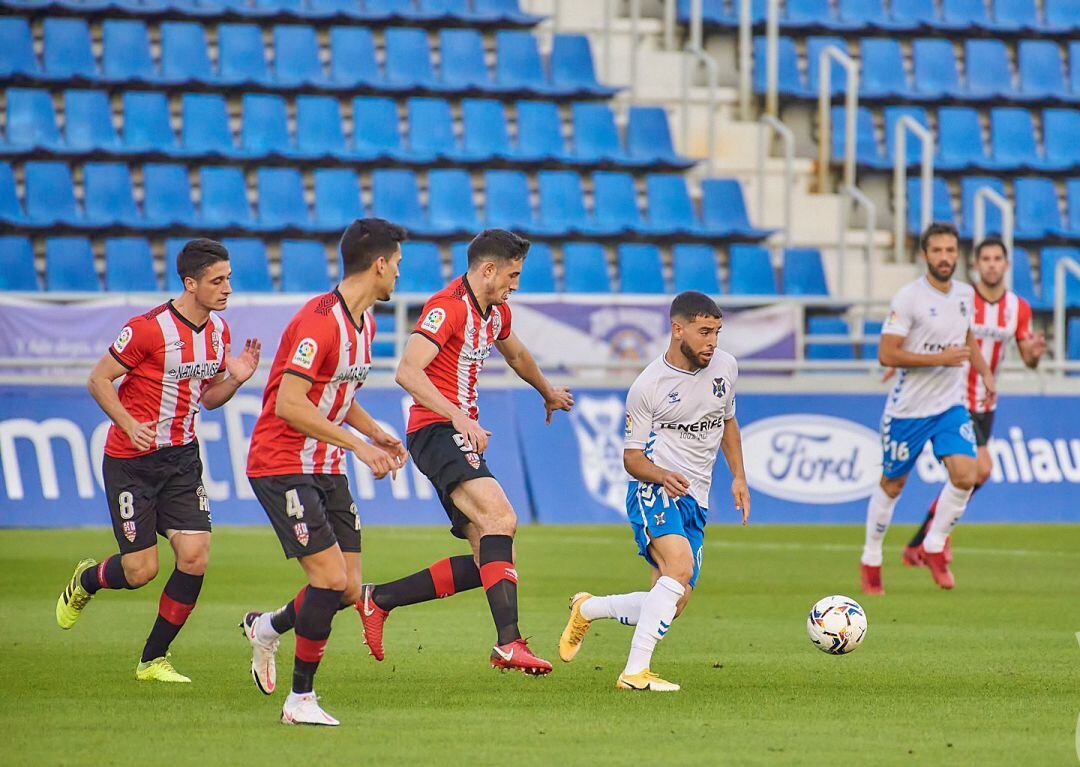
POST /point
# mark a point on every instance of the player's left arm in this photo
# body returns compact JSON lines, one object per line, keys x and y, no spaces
{"x":361,"y":420}
{"x":979,"y":363}
{"x":522,"y":362}
{"x":237,"y":370}
{"x":731,"y":444}
{"x":1032,"y":345}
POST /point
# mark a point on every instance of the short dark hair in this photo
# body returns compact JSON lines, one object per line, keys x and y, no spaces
{"x":197,"y":255}
{"x":366,"y":240}
{"x":690,"y":304}
{"x":936,"y":228}
{"x":990,"y":242}
{"x":497,"y":245}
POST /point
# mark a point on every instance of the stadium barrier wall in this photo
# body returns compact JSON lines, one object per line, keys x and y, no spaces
{"x":811,"y":457}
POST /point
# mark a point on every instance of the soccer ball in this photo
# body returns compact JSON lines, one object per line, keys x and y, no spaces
{"x":836,"y":624}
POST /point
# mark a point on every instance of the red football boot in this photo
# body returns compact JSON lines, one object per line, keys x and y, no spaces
{"x":517,"y":655}
{"x":871,"y":580}
{"x":373,"y":618}
{"x":939,"y":569}
{"x":913,"y":557}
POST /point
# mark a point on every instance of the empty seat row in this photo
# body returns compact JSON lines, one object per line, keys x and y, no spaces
{"x":819,"y":349}
{"x":1037,"y":213}
{"x":1042,"y":74}
{"x":297,"y":63}
{"x":319,"y":129}
{"x":477,"y":12}
{"x":1014,"y":141}
{"x":1003,"y":17}
{"x":109,"y":200}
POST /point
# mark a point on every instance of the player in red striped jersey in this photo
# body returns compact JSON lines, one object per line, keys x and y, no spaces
{"x":999,"y":316}
{"x":174,"y":360}
{"x":296,"y":462}
{"x":454,"y":336}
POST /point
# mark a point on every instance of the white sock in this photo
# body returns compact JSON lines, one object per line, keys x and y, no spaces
{"x":296,"y":697}
{"x":878,"y":516}
{"x":657,"y":613}
{"x":625,"y":608}
{"x":950,"y":506}
{"x":264,"y":629}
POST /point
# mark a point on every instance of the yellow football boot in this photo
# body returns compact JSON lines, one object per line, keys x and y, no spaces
{"x":159,"y":670}
{"x":576,"y":628}
{"x":646,"y":680}
{"x":74,"y":598}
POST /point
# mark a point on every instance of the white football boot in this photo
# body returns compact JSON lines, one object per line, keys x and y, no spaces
{"x":305,"y":709}
{"x":263,"y":664}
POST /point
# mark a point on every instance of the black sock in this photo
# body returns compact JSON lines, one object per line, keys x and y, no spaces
{"x":106,"y":575}
{"x":284,"y":618}
{"x":314,"y":616}
{"x":176,"y":603}
{"x":499,"y":577}
{"x":442,"y":579}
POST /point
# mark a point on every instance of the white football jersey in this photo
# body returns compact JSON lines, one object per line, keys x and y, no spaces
{"x":677,"y":417}
{"x":930,"y":321}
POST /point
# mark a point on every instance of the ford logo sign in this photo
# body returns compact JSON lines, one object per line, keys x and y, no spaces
{"x":812,"y":458}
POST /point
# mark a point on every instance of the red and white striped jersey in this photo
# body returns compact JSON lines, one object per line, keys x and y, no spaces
{"x":452,"y":320}
{"x":326,"y":346}
{"x":993,"y":323}
{"x":170,"y":362}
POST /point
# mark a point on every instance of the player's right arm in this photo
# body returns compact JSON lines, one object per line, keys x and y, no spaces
{"x":891,"y":353}
{"x":639,"y":423}
{"x":102,"y":389}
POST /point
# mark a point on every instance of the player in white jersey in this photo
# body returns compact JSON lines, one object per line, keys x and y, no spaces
{"x":928,"y":337}
{"x":680,"y":413}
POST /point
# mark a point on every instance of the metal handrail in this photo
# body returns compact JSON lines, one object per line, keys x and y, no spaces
{"x":986,"y":194}
{"x":851,"y":106}
{"x":635,"y":32}
{"x":669,"y":24}
{"x":1072,"y":266}
{"x":772,"y":57}
{"x":605,"y":36}
{"x":768,"y":125}
{"x":926,"y":188}
{"x":848,"y":195}
{"x":746,"y":46}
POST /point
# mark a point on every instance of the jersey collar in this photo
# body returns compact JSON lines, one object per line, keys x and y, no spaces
{"x":1002,"y":297}
{"x":472,"y":297}
{"x":345,"y":308}
{"x":679,"y":370}
{"x":176,"y":313}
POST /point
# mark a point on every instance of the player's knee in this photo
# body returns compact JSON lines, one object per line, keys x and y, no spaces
{"x":193,"y":563}
{"x":680,"y":571}
{"x":501,"y":522}
{"x":965,"y":479}
{"x":331,"y":578}
{"x":140,"y":573}
{"x":982,"y":475}
{"x":892,"y":487}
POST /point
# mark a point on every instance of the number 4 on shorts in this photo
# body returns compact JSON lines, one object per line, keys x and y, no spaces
{"x":293,"y":507}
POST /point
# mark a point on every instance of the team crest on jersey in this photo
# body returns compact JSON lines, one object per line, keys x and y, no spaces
{"x":496,"y":324}
{"x":123,"y":339}
{"x":305,"y":353}
{"x":434,"y":320}
{"x":473,"y":459}
{"x":129,"y":530}
{"x":301,"y":531}
{"x":719,"y":387}
{"x":963,"y":309}
{"x":215,"y":342}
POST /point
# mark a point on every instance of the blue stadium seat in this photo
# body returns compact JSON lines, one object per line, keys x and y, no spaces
{"x":837,"y":75}
{"x":969,"y":185}
{"x":723,"y":209}
{"x":17,"y":264}
{"x":281,"y":198}
{"x":50,"y":194}
{"x":596,"y":139}
{"x":126,"y":52}
{"x":868,"y":349}
{"x":173,"y":246}
{"x":505,"y":11}
{"x":817,"y":326}
{"x":485,"y":134}
{"x":936,"y":74}
{"x":391,"y":10}
{"x":788,"y":78}
{"x":250,"y":269}
{"x":640,"y":269}
{"x":206,"y":125}
{"x":803,"y":273}
{"x":1074,"y":69}
{"x":18,"y":44}
{"x":382,"y":345}
{"x":462,"y":64}
{"x":942,"y":203}
{"x":648,"y":138}
{"x":408,"y":60}
{"x":883,"y":74}
{"x":396,"y":197}
{"x":1072,"y":196}
{"x":1015,"y":16}
{"x":129,"y":265}
{"x":1036,"y":204}
{"x":989,"y":74}
{"x":750,"y":271}
{"x":670,"y":209}
{"x":694,"y":268}
{"x":146,"y":123}
{"x":375,"y":128}
{"x":867,"y":149}
{"x":920,"y":13}
{"x":31,"y":120}
{"x":540,"y":132}
{"x":108,"y":198}
{"x":562,"y":204}
{"x":1041,"y":73}
{"x":962,"y":15}
{"x":10,"y":210}
{"x":1050,"y":258}
{"x":1022,"y":283}
{"x":538,"y":270}
{"x":431,"y":130}
{"x":167,"y":196}
{"x":870,"y":14}
{"x":318,"y":127}
{"x":517,"y":63}
{"x":572,"y":69}
{"x":352,"y":57}
{"x":585,"y":268}
{"x":301,"y":66}
{"x":421,"y":268}
{"x":303,"y":267}
{"x":506,"y":195}
{"x":450,"y":202}
{"x":913,"y":146}
{"x":67,"y":51}
{"x":69,"y":265}
{"x":265,"y":129}
{"x":960,"y":143}
{"x":1061,"y":14}
{"x":337,"y":198}
{"x":1012,"y":138}
{"x":615,"y":207}
{"x":88,"y":122}
{"x":1061,"y":127}
{"x":185,"y":53}
{"x":812,"y":15}
{"x":242,"y":55}
{"x":1072,"y":349}
{"x":224,"y":199}
{"x":459,"y":258}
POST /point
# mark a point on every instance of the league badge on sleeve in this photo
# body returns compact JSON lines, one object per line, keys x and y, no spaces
{"x":123,"y":339}
{"x":434,"y":320}
{"x":629,"y":426}
{"x":305,"y":353}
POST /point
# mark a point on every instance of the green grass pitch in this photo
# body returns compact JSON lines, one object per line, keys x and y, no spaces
{"x":987,"y":674}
